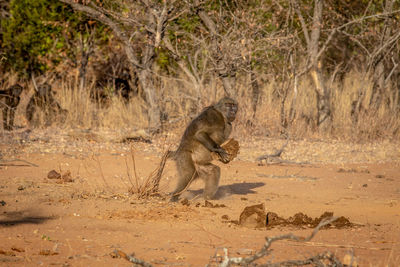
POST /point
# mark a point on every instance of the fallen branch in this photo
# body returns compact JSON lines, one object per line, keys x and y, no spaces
{"x":131,"y":258}
{"x":265,"y":251}
{"x":2,"y":162}
{"x":277,"y":154}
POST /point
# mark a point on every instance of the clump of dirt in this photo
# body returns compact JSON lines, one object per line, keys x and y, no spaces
{"x":256,"y":217}
{"x":47,"y":252}
{"x":185,"y":202}
{"x":7,"y":253}
{"x":61,"y":178}
{"x":353,"y":170}
{"x":253,"y":216}
{"x":208,"y":204}
{"x":299,"y":219}
{"x":302,"y":220}
{"x":53,"y":174}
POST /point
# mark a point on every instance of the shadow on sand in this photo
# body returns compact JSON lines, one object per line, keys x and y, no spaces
{"x":19,"y":217}
{"x":231,"y":189}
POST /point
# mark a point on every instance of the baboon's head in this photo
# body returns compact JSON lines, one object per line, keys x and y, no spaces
{"x":228,"y":107}
{"x":16,"y":90}
{"x":44,"y":90}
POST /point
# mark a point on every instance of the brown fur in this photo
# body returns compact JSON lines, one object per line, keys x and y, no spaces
{"x":9,"y":101}
{"x":44,"y":100}
{"x":202,"y":137}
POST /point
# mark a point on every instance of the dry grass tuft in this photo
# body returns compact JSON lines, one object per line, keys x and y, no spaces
{"x":90,"y":113}
{"x":148,"y":187}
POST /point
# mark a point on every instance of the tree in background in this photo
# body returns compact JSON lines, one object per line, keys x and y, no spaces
{"x":31,"y":37}
{"x":39,"y":34}
{"x":241,"y":44}
{"x":140,"y":26}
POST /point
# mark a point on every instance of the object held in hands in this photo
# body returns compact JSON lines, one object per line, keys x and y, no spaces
{"x":231,"y":146}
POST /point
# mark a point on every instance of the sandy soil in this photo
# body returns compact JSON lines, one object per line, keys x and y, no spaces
{"x":48,"y":222}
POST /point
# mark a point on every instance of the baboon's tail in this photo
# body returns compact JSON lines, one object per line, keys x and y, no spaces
{"x":156,"y":175}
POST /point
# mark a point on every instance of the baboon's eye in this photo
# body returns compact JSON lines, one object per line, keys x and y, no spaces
{"x":231,"y":106}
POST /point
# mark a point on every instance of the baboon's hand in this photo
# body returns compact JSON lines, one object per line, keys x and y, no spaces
{"x":224,"y":156}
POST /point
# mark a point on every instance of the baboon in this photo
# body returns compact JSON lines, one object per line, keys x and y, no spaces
{"x":43,"y":100}
{"x":9,"y":101}
{"x":203,"y":136}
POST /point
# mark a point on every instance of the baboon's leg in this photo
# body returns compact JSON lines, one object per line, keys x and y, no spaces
{"x":11,"y":119}
{"x":49,"y":115}
{"x":186,"y":174}
{"x":5,"y":118}
{"x":210,"y":173}
{"x":63,"y":115}
{"x":30,"y":109}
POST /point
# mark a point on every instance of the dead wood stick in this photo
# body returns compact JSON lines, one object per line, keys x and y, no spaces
{"x":21,"y":160}
{"x":265,"y":250}
{"x":277,"y":154}
{"x":132,"y":259}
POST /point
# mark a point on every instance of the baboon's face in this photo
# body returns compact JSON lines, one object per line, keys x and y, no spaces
{"x":16,"y":90}
{"x":44,"y":90}
{"x":228,"y":107}
{"x":231,"y":110}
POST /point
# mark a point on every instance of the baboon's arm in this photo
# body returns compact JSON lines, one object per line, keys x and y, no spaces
{"x":212,"y":146}
{"x":206,"y":141}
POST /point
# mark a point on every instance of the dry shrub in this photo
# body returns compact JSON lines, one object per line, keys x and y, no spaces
{"x":181,"y":101}
{"x":87,"y":112}
{"x":148,"y":187}
{"x":373,"y":121}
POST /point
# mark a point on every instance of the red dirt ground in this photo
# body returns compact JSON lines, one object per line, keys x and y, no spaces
{"x":80,"y":223}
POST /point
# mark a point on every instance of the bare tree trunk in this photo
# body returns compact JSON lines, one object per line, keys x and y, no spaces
{"x":323,"y":95}
{"x":379,"y":72}
{"x":87,"y":48}
{"x":292,"y":109}
{"x":152,"y":99}
{"x":82,"y":71}
{"x":255,"y":92}
{"x":154,"y":22}
{"x":376,"y":66}
{"x":314,"y":64}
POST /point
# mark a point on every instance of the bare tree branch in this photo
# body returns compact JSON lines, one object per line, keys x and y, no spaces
{"x":96,"y":14}
{"x":302,"y":22}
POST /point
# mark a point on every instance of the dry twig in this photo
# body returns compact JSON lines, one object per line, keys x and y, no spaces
{"x":265,"y":251}
{"x":225,"y":261}
{"x":4,"y":162}
{"x":277,"y":154}
{"x":131,"y":258}
{"x":97,"y":160}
